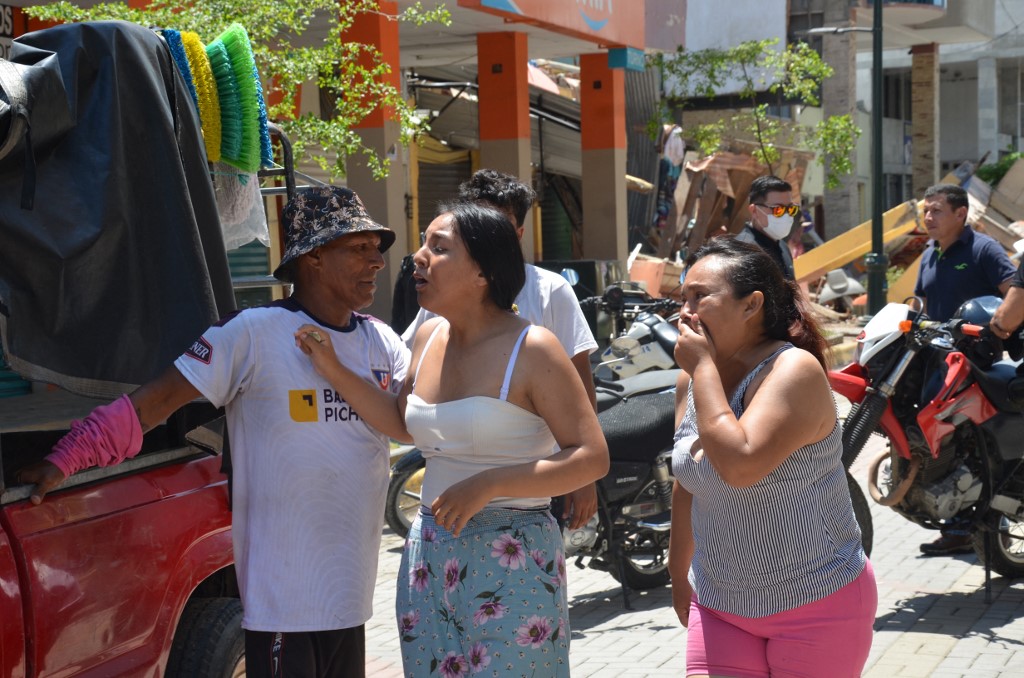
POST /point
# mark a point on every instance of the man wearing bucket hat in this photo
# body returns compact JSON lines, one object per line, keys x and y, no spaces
{"x":309,"y":476}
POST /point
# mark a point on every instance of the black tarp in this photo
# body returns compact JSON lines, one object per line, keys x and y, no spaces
{"x":120,"y":265}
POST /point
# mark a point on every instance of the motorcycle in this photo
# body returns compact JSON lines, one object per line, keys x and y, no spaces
{"x":949,"y":408}
{"x":642,"y":337}
{"x":628,"y":537}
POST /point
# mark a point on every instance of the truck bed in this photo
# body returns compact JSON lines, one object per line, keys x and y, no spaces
{"x":30,"y":425}
{"x":44,"y":411}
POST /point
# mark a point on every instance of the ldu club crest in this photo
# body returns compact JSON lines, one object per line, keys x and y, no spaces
{"x":383,"y":378}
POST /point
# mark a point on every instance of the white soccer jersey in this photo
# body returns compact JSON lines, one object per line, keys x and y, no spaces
{"x":546,"y":300}
{"x":310,"y":477}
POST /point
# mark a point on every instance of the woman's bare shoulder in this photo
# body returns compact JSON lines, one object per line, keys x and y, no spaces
{"x":798,"y":369}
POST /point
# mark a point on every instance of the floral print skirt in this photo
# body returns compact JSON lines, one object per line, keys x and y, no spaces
{"x":490,"y":602}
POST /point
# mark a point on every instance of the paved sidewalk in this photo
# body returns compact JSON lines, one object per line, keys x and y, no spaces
{"x":932,"y":619}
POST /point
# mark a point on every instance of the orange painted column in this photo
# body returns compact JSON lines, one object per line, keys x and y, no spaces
{"x":603,"y":146}
{"x":504,"y":112}
{"x":380,"y":131}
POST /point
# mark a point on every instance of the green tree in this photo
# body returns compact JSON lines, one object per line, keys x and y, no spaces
{"x":794,"y":74}
{"x":350,"y":73}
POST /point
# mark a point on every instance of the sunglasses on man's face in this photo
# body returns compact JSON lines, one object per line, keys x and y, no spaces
{"x":779,"y":210}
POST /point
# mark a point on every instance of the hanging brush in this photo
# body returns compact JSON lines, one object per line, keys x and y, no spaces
{"x":173,"y":40}
{"x":230,"y":106}
{"x":266,"y":150}
{"x":250,"y":97}
{"x":206,"y":93}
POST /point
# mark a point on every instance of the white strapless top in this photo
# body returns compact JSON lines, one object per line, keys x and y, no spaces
{"x":461,"y":438}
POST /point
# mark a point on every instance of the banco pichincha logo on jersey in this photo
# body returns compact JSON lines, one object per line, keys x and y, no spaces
{"x":326,"y":404}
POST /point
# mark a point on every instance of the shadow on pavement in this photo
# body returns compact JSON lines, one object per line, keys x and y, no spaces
{"x":959,"y":614}
{"x":594,"y":608}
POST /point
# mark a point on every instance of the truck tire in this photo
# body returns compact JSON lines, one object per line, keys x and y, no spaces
{"x":209,"y":641}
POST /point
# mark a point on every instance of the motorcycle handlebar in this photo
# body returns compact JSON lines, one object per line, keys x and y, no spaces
{"x":955,"y":327}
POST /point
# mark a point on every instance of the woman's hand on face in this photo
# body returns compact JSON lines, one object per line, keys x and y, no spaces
{"x":460,"y":502}
{"x":693,"y":345}
{"x":316,"y":343}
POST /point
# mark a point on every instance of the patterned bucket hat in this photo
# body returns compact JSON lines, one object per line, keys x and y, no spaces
{"x":316,"y":216}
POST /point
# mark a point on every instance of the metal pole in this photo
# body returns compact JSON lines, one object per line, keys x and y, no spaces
{"x":876,"y":262}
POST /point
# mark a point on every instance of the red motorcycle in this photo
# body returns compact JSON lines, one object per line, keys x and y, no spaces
{"x":950,"y":409}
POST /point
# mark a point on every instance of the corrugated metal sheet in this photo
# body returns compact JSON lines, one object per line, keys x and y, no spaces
{"x":557,"y":227}
{"x":437,"y":184}
{"x":554,"y":141}
{"x":250,"y":260}
{"x":643,"y":91}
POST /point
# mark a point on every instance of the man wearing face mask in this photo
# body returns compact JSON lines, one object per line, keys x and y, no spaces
{"x":771,"y":219}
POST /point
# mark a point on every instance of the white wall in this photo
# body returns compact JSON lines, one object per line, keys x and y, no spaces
{"x":958,"y":120}
{"x":727,"y":23}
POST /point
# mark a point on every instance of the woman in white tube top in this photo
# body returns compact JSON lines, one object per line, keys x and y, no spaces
{"x":482,"y":583}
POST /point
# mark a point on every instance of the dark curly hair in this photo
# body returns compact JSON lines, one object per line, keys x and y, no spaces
{"x":748,"y":269}
{"x":501,"y":190}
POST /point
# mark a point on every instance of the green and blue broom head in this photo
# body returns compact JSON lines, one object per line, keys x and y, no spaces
{"x":173,"y":40}
{"x":250,"y":96}
{"x":206,"y":93}
{"x":230,"y":105}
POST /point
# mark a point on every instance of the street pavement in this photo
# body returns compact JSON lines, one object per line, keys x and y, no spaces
{"x":932,"y":616}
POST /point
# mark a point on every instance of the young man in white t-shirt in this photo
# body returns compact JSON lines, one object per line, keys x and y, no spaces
{"x":309,"y":476}
{"x":546,"y":300}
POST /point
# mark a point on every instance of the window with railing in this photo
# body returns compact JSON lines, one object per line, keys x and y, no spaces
{"x":931,"y":3}
{"x":803,"y":16}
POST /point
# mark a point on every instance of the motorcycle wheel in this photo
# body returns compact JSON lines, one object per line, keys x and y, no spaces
{"x":1007,"y":552}
{"x":644,"y":557}
{"x":862,"y":512}
{"x":404,"y":498}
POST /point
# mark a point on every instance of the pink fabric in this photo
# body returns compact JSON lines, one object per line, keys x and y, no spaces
{"x":829,"y":637}
{"x":109,"y":435}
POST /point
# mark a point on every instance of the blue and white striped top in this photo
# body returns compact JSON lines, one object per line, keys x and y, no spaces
{"x":788,"y":540}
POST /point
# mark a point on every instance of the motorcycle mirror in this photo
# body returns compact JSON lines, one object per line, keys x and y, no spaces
{"x":625,"y":347}
{"x":571,"y":276}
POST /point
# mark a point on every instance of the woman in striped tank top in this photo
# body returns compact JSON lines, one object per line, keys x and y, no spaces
{"x":767,"y":567}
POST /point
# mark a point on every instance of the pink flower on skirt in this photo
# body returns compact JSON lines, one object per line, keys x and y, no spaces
{"x":419,"y":577}
{"x":509,"y":551}
{"x":534,"y":632}
{"x":478,"y":657}
{"x":451,"y":575}
{"x":454,"y":666}
{"x":408,"y":621}
{"x":538,"y":557}
{"x":560,"y":568}
{"x":489,"y":611}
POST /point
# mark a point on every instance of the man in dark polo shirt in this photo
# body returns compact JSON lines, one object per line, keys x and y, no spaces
{"x":958,"y":264}
{"x":771,"y":219}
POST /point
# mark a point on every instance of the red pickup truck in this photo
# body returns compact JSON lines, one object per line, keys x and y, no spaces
{"x":124,"y":571}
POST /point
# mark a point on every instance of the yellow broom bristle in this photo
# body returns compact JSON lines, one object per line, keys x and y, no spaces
{"x":206,"y":91}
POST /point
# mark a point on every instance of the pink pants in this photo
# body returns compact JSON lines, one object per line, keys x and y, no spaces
{"x":829,"y":637}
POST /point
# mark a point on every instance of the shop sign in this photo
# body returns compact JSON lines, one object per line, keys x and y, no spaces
{"x":6,"y":30}
{"x":612,"y":22}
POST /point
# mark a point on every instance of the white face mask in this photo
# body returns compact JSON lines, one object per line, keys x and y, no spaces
{"x":778,"y":228}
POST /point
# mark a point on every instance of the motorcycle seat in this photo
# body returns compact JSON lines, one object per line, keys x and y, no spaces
{"x":655,"y":381}
{"x":1003,"y":386}
{"x":639,"y":428}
